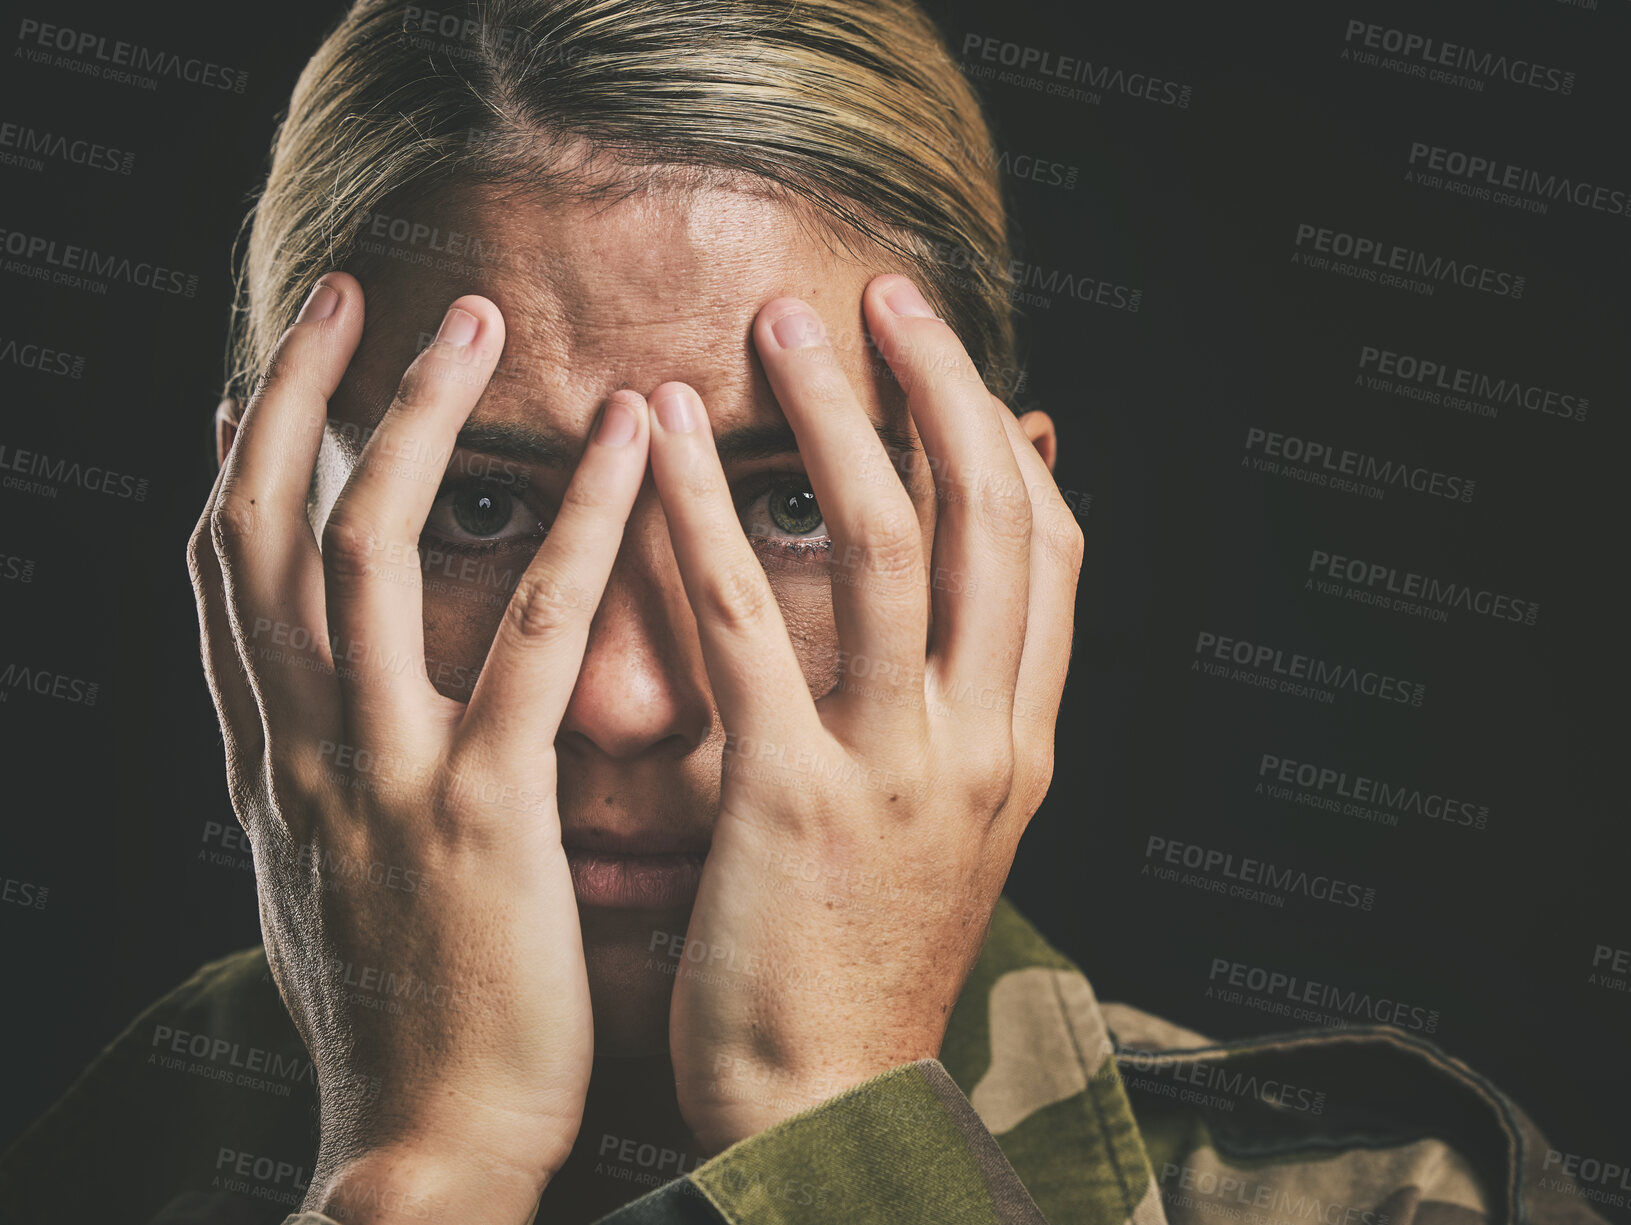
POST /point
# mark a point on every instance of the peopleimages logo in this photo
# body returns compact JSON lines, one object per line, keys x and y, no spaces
{"x":1436,"y":60}
{"x":1441,"y":382}
{"x":1487,"y":178}
{"x":1337,"y":790}
{"x":94,"y":55}
{"x":1260,"y":1203}
{"x":47,"y":683}
{"x":1249,"y":871}
{"x":1189,"y":1081}
{"x":1384,"y":262}
{"x":230,"y":1056}
{"x":1271,"y":667}
{"x":1031,"y":282}
{"x":1587,"y":1178}
{"x":33,"y":146}
{"x":93,"y":478}
{"x":1034,"y":66}
{"x":1374,"y":578}
{"x":1318,"y":462}
{"x":1359,"y":1005}
{"x":32,"y":356}
{"x":80,"y":267}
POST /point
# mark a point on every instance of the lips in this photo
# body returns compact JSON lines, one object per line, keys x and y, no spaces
{"x":653,"y":871}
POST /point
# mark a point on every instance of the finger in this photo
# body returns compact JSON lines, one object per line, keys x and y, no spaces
{"x":224,"y":670}
{"x":271,"y":569}
{"x":880,"y":601}
{"x":752,"y":668}
{"x":1056,"y":563}
{"x":982,"y":546}
{"x":371,"y":540}
{"x":533,"y":664}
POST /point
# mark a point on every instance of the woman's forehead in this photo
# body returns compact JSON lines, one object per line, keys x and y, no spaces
{"x":590,"y":269}
{"x":602,"y":294}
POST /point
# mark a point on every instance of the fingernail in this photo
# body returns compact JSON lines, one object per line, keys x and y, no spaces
{"x":904,"y":299}
{"x":799,"y":330}
{"x":320,"y":304}
{"x":675,"y":412}
{"x":617,"y":424}
{"x":458,"y":327}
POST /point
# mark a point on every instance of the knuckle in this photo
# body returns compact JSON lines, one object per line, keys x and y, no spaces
{"x":291,"y":783}
{"x":891,"y":542}
{"x":200,"y":552}
{"x":700,"y":486}
{"x":245,"y":790}
{"x":1004,"y":506}
{"x":350,"y":547}
{"x":737,"y":597}
{"x":1066,"y":542}
{"x":243,"y":733}
{"x":992,"y":782}
{"x":1038,"y":772}
{"x":544,"y":608}
{"x":233,"y":524}
{"x":582,"y":499}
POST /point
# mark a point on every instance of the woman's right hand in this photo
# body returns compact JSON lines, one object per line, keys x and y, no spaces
{"x":416,"y":906}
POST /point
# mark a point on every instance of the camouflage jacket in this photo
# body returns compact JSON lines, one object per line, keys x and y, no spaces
{"x":1044,"y":1106}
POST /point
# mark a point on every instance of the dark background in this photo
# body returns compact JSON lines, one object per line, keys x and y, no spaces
{"x":109,"y":806}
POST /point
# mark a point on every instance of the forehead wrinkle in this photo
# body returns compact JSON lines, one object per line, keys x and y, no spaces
{"x":663,"y":257}
{"x":654,"y":287}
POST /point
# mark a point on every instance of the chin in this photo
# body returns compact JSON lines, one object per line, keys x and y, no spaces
{"x":631,"y":975}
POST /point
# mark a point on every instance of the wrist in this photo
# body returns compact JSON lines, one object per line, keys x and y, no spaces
{"x":413,"y":1185}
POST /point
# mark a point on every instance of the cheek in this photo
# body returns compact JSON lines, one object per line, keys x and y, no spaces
{"x":803,"y":587}
{"x":806,"y":606}
{"x":464,"y":600}
{"x":805,"y":595}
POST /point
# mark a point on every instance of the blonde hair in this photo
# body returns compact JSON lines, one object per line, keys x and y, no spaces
{"x":852,"y":111}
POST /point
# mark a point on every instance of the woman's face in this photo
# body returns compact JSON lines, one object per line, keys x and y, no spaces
{"x":653,"y":288}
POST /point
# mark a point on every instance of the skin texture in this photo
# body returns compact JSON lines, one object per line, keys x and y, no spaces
{"x":906,"y":682}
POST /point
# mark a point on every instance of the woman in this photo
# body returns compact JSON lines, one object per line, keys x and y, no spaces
{"x":638,"y":630}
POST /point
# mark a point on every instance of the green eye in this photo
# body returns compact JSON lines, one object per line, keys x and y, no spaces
{"x":793,"y":508}
{"x":783,"y":521}
{"x":481,"y":510}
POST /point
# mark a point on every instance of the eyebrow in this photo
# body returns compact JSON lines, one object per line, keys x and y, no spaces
{"x":551,"y":448}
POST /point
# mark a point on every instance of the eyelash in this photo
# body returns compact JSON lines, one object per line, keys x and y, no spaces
{"x":758,"y":486}
{"x":473,"y":547}
{"x":763,"y":483}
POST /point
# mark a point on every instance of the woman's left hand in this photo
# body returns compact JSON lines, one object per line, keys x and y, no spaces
{"x":863,"y":837}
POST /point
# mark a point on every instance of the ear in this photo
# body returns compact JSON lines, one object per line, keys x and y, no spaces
{"x":1038,"y":427}
{"x":226,"y":428}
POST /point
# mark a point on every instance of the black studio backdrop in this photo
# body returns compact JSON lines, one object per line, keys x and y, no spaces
{"x":1253,"y":240}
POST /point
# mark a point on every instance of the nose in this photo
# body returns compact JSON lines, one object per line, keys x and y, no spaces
{"x":643,"y":691}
